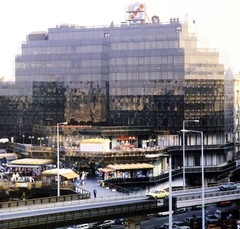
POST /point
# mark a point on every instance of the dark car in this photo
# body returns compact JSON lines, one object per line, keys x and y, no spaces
{"x":119,"y":221}
{"x":224,"y":203}
{"x":105,"y":223}
{"x":180,"y":210}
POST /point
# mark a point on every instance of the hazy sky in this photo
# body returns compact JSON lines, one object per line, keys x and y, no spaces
{"x":216,"y":19}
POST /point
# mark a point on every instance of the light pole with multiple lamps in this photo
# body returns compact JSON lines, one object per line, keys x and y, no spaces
{"x":31,"y":137}
{"x":58,"y":176}
{"x":202,"y":165}
{"x":40,"y":139}
{"x":183,"y":131}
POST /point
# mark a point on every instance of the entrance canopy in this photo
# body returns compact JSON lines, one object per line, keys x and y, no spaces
{"x":31,"y":161}
{"x":67,"y":173}
{"x":116,"y":167}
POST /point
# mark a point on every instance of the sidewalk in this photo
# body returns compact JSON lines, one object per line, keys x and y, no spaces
{"x":101,"y":192}
{"x":91,"y":183}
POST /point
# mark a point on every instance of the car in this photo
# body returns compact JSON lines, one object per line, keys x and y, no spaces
{"x":119,"y":221}
{"x":211,"y":219}
{"x":102,"y":224}
{"x":180,"y":210}
{"x":156,"y":194}
{"x":212,"y":226}
{"x":195,"y":220}
{"x":224,"y":203}
{"x":161,"y":214}
{"x":198,"y":207}
{"x":228,"y":186}
{"x":180,"y":225}
{"x":165,"y":225}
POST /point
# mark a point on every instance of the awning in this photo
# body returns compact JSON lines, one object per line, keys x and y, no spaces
{"x":31,"y":161}
{"x":71,"y":175}
{"x":23,"y":166}
{"x":106,"y":170}
{"x":130,"y":166}
{"x":67,"y":173}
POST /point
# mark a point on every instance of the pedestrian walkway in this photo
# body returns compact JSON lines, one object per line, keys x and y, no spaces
{"x":92,"y":183}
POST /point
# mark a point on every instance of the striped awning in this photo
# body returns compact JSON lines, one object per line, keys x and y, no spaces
{"x":31,"y":161}
{"x":67,"y":173}
{"x":116,"y":167}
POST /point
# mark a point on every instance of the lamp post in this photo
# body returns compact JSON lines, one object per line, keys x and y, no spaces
{"x":184,"y":121}
{"x":48,"y":138}
{"x":40,"y":139}
{"x":169,"y":156}
{"x":58,"y":177}
{"x":31,"y":137}
{"x":23,"y":138}
{"x":203,"y":186}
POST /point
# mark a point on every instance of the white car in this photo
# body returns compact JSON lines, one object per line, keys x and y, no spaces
{"x":180,"y":225}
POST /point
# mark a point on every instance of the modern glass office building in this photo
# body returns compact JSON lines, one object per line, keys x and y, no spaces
{"x":125,"y":78}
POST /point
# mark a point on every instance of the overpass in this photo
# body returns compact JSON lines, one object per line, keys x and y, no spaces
{"x":54,"y":212}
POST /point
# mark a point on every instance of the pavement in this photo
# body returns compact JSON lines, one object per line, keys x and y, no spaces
{"x":92,"y":183}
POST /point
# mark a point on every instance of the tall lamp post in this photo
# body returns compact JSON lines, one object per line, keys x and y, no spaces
{"x":31,"y":137}
{"x":58,"y":177}
{"x":184,"y":121}
{"x":40,"y":139}
{"x":203,"y":186}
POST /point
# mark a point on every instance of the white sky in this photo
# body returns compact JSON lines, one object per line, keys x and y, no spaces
{"x":217,"y":19}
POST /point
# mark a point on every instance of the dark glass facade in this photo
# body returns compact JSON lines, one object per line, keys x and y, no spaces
{"x":125,"y":76}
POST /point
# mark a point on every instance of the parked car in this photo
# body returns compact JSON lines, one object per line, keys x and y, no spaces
{"x":180,"y":210}
{"x":212,"y":226}
{"x":165,"y":225}
{"x":157,"y":194}
{"x":211,"y":219}
{"x":180,"y":225}
{"x":119,"y":221}
{"x":228,"y":186}
{"x":105,"y":223}
{"x":80,"y":226}
{"x":224,"y":203}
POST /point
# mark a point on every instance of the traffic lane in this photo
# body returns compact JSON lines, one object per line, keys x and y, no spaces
{"x":159,"y":221}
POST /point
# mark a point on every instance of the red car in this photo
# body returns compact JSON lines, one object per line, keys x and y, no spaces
{"x":224,"y":203}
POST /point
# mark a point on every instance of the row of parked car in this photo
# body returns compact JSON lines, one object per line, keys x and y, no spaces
{"x":99,"y":225}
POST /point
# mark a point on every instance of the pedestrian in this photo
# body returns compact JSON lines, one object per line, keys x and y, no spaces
{"x":95,"y":192}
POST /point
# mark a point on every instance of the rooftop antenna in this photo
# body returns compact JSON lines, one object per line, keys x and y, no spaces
{"x":186,"y":11}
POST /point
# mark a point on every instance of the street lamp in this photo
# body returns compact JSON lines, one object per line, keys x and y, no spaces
{"x":40,"y":139}
{"x":48,"y":138}
{"x":169,"y":156}
{"x":31,"y":137}
{"x":203,"y":186}
{"x":58,"y":177}
{"x":23,"y":138}
{"x":184,"y":182}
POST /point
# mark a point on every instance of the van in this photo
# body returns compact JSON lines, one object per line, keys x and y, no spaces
{"x":218,"y":214}
{"x":80,"y":226}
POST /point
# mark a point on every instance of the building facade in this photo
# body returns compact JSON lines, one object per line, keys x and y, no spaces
{"x":124,"y":79}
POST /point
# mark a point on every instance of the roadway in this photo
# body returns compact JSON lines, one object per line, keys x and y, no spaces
{"x":108,"y":199}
